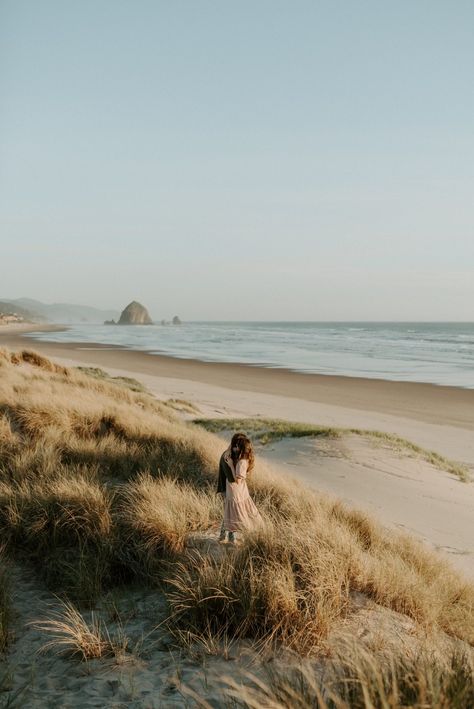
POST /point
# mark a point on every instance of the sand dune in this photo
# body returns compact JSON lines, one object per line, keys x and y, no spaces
{"x":401,"y":491}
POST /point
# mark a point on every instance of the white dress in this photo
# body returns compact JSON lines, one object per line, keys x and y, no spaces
{"x":240,"y":512}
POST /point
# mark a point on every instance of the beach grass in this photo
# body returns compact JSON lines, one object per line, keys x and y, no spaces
{"x":99,"y":373}
{"x":72,"y":635}
{"x":359,"y":679}
{"x":101,"y":486}
{"x":182,"y":405}
{"x":266,"y":430}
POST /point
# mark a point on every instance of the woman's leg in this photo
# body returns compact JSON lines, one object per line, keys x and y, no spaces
{"x":222,"y":533}
{"x":223,"y":530}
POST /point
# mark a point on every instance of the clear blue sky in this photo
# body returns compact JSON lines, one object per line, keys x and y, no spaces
{"x":254,"y":159}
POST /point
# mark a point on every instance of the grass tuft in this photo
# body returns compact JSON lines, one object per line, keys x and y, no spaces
{"x":266,"y":430}
{"x":360,"y":679}
{"x":102,"y":375}
{"x":71,"y":634}
{"x":156,"y":515}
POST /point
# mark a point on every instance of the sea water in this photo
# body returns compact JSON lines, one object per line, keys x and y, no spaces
{"x":440,"y":353}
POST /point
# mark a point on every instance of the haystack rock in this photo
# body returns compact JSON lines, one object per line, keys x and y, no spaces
{"x":135,"y":314}
{"x":176,"y":320}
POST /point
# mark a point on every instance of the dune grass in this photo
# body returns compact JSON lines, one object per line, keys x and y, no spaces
{"x":360,"y":680}
{"x":266,"y":430}
{"x":71,"y":634}
{"x":69,"y":444}
{"x":128,"y":382}
{"x":182,"y":405}
{"x":155,"y":518}
{"x":101,"y":485}
{"x":294,"y":585}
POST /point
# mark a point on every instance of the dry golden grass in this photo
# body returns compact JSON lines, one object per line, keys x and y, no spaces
{"x":100,"y":485}
{"x":182,"y":405}
{"x":273,"y":588}
{"x":359,"y":679}
{"x":66,"y":509}
{"x":157,"y":515}
{"x":293,"y":579}
{"x":71,"y":634}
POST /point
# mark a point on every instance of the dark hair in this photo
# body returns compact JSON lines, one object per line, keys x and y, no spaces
{"x":245,"y":447}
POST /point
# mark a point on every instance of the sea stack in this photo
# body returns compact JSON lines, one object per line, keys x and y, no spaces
{"x":135,"y":314}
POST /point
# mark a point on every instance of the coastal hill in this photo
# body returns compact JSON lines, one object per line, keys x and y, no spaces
{"x":135,"y":314}
{"x":58,"y":312}
{"x":17,"y":313}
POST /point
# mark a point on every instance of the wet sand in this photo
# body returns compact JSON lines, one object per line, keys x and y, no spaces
{"x":428,"y":403}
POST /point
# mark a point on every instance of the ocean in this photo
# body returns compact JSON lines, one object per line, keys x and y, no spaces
{"x":440,"y":353}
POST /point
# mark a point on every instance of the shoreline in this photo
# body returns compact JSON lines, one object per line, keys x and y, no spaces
{"x":98,"y":345}
{"x":425,"y":402}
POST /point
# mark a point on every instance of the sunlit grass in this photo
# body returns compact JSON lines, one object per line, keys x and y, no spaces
{"x":266,"y":430}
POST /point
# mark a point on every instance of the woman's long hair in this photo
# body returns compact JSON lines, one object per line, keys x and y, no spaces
{"x":245,"y":447}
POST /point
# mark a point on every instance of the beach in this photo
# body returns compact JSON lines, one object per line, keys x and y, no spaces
{"x":439,"y":417}
{"x":411,"y":495}
{"x":406,"y":491}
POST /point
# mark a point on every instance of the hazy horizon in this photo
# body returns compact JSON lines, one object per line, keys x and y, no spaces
{"x":270,"y":161}
{"x":167,"y":317}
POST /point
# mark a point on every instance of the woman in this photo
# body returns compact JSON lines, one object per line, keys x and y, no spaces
{"x":236,"y":463}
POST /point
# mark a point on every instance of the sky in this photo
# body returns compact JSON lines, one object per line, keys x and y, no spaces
{"x":247,"y":160}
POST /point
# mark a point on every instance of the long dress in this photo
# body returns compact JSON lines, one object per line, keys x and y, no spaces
{"x":240,"y":512}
